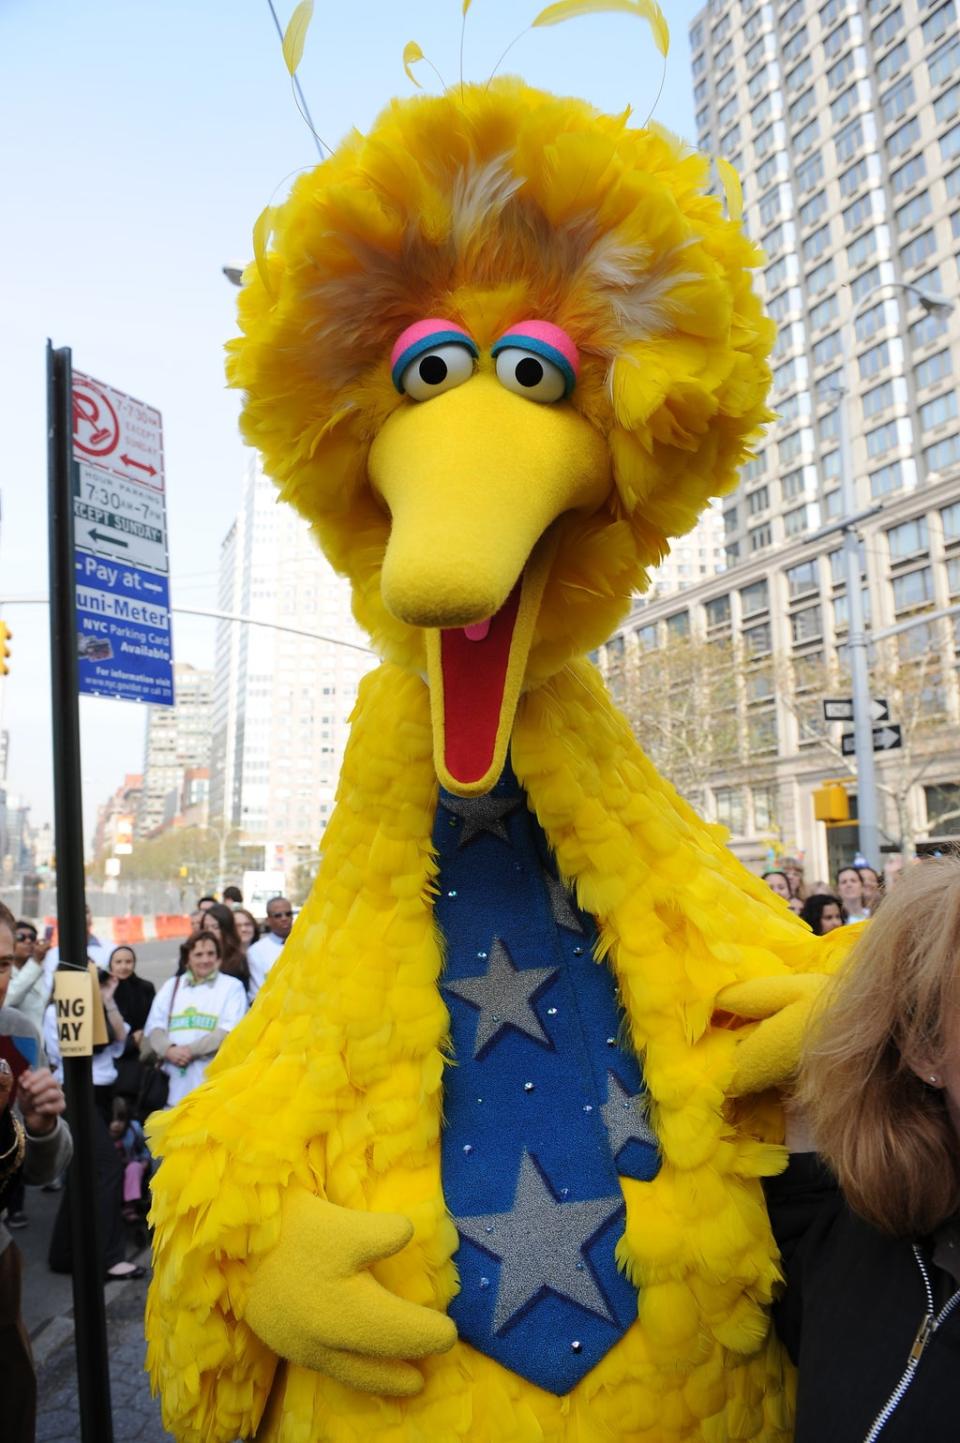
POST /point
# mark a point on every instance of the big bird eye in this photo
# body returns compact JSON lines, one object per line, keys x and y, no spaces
{"x":530,"y":375}
{"x":437,"y":370}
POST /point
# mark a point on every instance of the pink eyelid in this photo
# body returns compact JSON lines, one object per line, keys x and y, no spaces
{"x":422,"y":329}
{"x":550,"y":335}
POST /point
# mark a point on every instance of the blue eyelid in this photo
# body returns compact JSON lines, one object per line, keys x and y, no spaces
{"x":430,"y":343}
{"x":517,"y":340}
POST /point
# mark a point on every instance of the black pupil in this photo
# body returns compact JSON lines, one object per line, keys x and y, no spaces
{"x":529,"y":371}
{"x":433,"y":370}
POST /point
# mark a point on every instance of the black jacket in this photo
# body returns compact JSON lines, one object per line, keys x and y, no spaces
{"x":853,"y":1309}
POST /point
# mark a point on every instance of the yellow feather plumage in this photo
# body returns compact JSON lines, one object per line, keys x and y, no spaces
{"x":487,"y":207}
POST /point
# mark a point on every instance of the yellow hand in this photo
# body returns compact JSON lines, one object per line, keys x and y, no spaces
{"x":313,"y":1300}
{"x":769,"y":1054}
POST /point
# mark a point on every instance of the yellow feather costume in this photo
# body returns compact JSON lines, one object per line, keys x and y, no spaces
{"x":489,"y":205}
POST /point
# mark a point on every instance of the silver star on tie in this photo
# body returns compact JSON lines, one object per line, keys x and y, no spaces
{"x":624,"y":1117}
{"x":481,"y":814}
{"x":561,"y":908}
{"x":504,"y":997}
{"x":539,"y":1244}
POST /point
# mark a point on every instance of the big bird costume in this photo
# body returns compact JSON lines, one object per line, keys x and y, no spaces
{"x":480,"y":1164}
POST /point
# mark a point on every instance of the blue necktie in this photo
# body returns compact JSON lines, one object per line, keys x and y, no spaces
{"x":543,"y":1107}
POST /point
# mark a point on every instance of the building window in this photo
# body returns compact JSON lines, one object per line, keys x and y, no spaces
{"x":803,"y":139}
{"x":854,"y":176}
{"x":874,"y":360}
{"x":934,"y":368}
{"x":940,"y":409}
{"x":762,"y":731}
{"x":844,"y":104}
{"x":790,"y":447}
{"x":793,"y":485}
{"x":756,"y":641}
{"x":824,"y":312}
{"x":950,"y":520}
{"x":811,"y":211}
{"x":809,"y":173}
{"x":943,"y":808}
{"x":838,"y":73}
{"x":936,"y":25}
{"x":913,"y":589}
{"x":947,"y":106}
{"x":795,"y":522}
{"x":882,"y":439}
{"x":754,"y":599}
{"x":860,"y":250}
{"x":806,"y":625}
{"x":888,"y":478}
{"x":760,"y":537}
{"x":801,"y":107}
{"x":890,"y":26}
{"x":862,"y":285}
{"x":730,"y":814}
{"x":821,"y":277}
{"x":755,"y":468}
{"x":717,"y":612}
{"x":943,"y":63}
{"x":799,"y":75}
{"x":678,"y":625}
{"x":835,"y":42}
{"x":858,"y":213}
{"x":918,"y":250}
{"x":828,"y":427}
{"x":764,"y":808}
{"x":758,"y":501}
{"x":944,"y":454}
{"x":827,"y":349}
{"x":903,"y":139}
{"x":950,"y":143}
{"x":647,"y":637}
{"x":908,"y":175}
{"x":910,"y":215}
{"x":848,"y":141}
{"x":908,"y":538}
{"x":830,"y":465}
{"x":803,"y":579}
{"x":795,"y":45}
{"x":877,"y":400}
{"x":893,"y":62}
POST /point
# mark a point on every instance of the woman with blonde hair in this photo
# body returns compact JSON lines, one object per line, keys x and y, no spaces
{"x":869,"y":1230}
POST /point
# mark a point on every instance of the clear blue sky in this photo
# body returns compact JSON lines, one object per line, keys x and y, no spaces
{"x":139,"y":139}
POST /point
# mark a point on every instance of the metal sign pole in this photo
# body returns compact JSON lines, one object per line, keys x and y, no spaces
{"x":89,"y":1311}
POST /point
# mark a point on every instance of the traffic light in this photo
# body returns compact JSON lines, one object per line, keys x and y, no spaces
{"x":831,"y":803}
{"x":5,"y":635}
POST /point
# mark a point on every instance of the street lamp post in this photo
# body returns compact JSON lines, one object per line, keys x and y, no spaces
{"x":867,"y":809}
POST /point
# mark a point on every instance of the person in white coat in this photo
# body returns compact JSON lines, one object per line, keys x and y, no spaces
{"x":262,"y":955}
{"x":192,"y":1014}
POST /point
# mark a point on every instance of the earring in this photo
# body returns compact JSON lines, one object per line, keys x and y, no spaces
{"x":934,"y":1079}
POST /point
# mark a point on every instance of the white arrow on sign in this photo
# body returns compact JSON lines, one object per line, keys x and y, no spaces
{"x":841,"y":709}
{"x":885,"y":739}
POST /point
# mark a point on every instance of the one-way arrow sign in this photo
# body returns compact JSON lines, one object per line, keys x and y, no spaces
{"x":841,"y":709}
{"x":885,"y":739}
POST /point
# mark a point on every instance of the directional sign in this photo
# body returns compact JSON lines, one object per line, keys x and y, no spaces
{"x":841,"y":709}
{"x":885,"y":739}
{"x":120,"y":538}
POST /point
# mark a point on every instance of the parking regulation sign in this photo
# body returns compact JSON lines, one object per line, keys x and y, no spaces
{"x":121,"y":564}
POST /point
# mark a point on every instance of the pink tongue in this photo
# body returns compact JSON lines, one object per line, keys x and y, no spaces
{"x":478,"y":630}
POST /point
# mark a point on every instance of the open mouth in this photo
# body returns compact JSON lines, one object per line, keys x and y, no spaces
{"x":473,"y":664}
{"x":476,"y":674}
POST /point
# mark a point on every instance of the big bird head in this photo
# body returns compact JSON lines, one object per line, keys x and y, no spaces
{"x":503,"y":347}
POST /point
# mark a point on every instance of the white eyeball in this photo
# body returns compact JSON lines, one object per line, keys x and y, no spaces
{"x":530,"y":375}
{"x":437,"y":370}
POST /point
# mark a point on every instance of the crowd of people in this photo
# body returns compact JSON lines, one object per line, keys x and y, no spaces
{"x":857,"y":894}
{"x":866,"y":1215}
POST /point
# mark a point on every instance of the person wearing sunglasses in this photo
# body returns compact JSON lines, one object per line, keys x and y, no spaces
{"x":29,"y":989}
{"x":262,"y":955}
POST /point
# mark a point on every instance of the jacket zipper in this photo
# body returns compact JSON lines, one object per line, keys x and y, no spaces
{"x":931,"y":1322}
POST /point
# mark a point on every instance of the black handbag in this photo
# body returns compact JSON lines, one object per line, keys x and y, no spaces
{"x":155,"y":1084}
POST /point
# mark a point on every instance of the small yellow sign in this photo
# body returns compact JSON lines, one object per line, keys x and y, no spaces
{"x":73,"y":997}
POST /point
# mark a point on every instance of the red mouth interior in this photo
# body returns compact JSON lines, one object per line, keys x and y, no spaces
{"x":474,"y":675}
